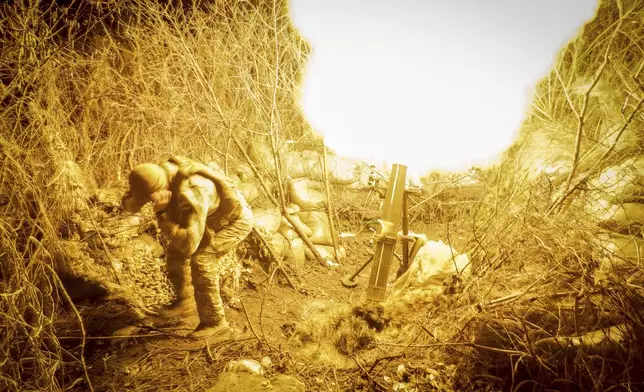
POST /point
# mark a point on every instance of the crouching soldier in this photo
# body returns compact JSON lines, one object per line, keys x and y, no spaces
{"x":204,"y":217}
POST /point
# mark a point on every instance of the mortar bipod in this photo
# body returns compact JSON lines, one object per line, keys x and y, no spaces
{"x":417,"y":242}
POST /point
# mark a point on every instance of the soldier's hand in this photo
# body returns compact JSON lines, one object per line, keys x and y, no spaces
{"x":161,"y":200}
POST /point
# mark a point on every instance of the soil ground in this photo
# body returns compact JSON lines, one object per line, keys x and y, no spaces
{"x":163,"y":359}
{"x":262,"y":322}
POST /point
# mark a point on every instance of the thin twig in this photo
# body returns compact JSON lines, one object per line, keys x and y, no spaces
{"x":584,"y":106}
{"x":329,"y":204}
{"x":286,"y":215}
{"x":371,"y":379}
{"x":583,"y":178}
{"x":252,"y":329}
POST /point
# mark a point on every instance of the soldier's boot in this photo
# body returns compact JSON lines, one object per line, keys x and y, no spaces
{"x":179,"y":276}
{"x":180,"y":307}
{"x":205,"y":277}
{"x":204,"y":331}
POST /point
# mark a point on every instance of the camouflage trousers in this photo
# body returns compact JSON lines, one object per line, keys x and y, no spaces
{"x":206,"y":275}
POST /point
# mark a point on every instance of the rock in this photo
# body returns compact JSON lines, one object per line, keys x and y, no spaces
{"x":245,"y":366}
{"x":227,"y":382}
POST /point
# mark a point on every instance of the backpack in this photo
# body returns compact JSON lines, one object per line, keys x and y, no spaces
{"x":232,"y":201}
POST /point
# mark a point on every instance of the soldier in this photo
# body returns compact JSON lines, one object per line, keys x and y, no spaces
{"x":204,"y":217}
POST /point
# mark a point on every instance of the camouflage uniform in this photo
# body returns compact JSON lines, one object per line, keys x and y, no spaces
{"x":206,"y":218}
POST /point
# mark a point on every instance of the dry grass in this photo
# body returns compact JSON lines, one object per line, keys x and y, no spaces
{"x":106,"y":85}
{"x":533,"y":247}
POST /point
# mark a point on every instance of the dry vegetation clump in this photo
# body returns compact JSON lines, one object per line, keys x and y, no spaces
{"x":554,"y":232}
{"x":556,"y":300}
{"x":89,"y":89}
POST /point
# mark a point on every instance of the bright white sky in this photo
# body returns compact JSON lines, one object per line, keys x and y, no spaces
{"x":432,"y":84}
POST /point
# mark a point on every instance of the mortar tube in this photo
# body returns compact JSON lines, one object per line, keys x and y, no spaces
{"x":385,"y":240}
{"x":405,"y":237}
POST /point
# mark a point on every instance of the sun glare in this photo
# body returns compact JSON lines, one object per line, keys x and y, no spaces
{"x":430,"y":84}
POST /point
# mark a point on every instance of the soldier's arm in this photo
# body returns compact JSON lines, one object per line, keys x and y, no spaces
{"x":234,"y":233}
{"x":191,"y":208}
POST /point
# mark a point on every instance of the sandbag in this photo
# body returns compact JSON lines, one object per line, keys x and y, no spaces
{"x":309,"y":164}
{"x":305,"y":196}
{"x":290,"y":251}
{"x":287,"y":229}
{"x":622,"y":247}
{"x":267,"y":219}
{"x":626,"y":218}
{"x":261,"y":154}
{"x":296,"y":166}
{"x":622,"y":214}
{"x":244,"y":172}
{"x":628,"y":213}
{"x":327,"y":253}
{"x":620,"y":183}
{"x":619,"y":255}
{"x":342,"y":170}
{"x":318,"y":222}
{"x":250,"y":191}
{"x":296,"y":254}
{"x":431,"y":268}
{"x":235,"y":179}
{"x":279,"y":245}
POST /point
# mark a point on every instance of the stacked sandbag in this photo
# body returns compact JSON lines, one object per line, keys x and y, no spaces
{"x":619,"y":256}
{"x":308,"y":164}
{"x":307,"y":191}
{"x":244,"y":179}
{"x":293,"y":244}
{"x":623,"y":183}
{"x":267,"y":220}
{"x":282,"y":239}
{"x":250,"y":191}
{"x":308,"y":194}
{"x":318,"y":222}
{"x":615,"y":197}
{"x":615,"y":201}
{"x":342,"y":171}
{"x":304,"y":171}
{"x":286,"y":227}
